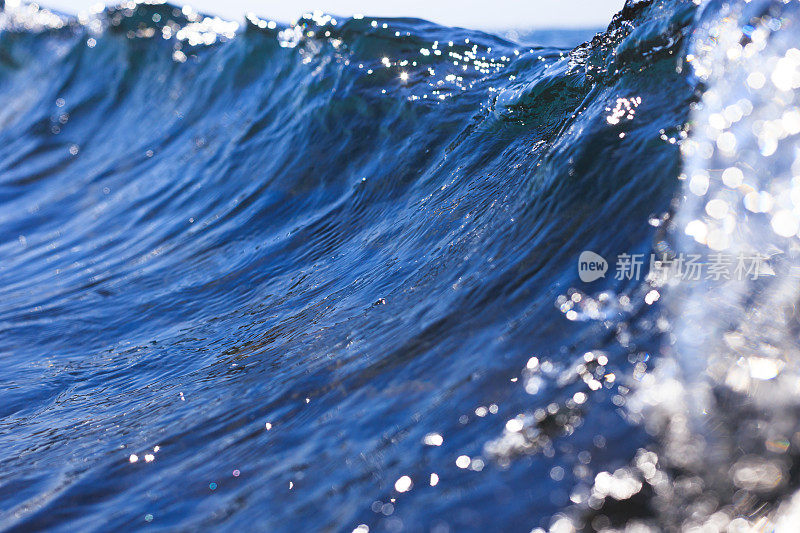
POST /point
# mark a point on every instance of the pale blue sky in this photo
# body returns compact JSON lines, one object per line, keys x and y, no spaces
{"x":481,"y":14}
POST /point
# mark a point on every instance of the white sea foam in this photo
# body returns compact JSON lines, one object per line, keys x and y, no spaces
{"x":724,"y":402}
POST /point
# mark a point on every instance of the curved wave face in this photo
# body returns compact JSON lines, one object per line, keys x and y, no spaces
{"x":327,"y":275}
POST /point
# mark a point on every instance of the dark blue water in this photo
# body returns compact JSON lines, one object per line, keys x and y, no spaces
{"x":249,"y":277}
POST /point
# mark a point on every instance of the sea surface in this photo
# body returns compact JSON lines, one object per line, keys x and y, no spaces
{"x":325,"y":276}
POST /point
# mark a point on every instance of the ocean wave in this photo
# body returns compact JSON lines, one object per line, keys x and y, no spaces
{"x":256,"y":274}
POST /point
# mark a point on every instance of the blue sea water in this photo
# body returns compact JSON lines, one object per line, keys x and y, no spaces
{"x":323,"y":276}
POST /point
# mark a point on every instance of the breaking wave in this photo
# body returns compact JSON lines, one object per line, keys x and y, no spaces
{"x":258,"y":275}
